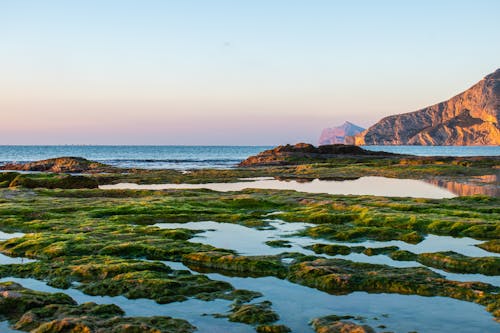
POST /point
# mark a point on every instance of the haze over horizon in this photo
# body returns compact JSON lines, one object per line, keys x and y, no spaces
{"x":224,"y":73}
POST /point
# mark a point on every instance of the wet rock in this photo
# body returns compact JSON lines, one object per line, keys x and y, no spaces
{"x":458,"y":263}
{"x":333,"y":324}
{"x":273,"y":329}
{"x":300,"y":152}
{"x":279,"y":243}
{"x":52,"y":181}
{"x":258,"y":313}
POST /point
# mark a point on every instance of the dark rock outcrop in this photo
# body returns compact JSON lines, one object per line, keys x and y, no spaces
{"x":61,"y":165}
{"x":293,"y":154}
{"x":470,"y":118}
{"x":335,"y":135}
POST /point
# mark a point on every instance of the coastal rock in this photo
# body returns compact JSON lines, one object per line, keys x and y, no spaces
{"x":470,"y":118}
{"x":338,"y":134}
{"x":61,"y":165}
{"x":333,"y":324}
{"x":300,"y":152}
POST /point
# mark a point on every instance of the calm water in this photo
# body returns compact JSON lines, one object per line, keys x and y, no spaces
{"x":192,"y":157}
{"x":297,"y":304}
{"x":380,"y":186}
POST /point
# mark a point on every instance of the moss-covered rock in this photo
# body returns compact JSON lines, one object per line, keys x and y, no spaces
{"x":334,"y":324}
{"x":258,"y":313}
{"x":52,"y":181}
{"x":458,"y":263}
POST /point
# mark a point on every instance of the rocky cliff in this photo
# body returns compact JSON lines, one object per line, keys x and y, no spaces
{"x":337,"y":134}
{"x":470,"y":118}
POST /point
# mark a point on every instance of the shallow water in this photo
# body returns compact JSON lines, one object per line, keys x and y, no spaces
{"x":221,"y":235}
{"x":192,"y":310}
{"x":4,"y":328}
{"x":379,"y":186}
{"x":297,"y":305}
{"x":5,"y":236}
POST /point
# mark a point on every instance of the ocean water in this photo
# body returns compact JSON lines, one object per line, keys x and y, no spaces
{"x":195,"y":157}
{"x":147,"y":157}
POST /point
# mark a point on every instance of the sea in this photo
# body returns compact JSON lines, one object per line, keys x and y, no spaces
{"x":197,"y":157}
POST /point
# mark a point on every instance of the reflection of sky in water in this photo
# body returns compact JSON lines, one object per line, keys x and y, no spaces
{"x":379,"y":186}
{"x":251,"y":241}
{"x":191,"y":310}
{"x":4,"y":328}
{"x":296,"y":304}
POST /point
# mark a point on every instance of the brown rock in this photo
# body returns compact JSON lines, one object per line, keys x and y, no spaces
{"x":61,"y":165}
{"x":295,"y":154}
{"x":325,"y":325}
{"x":470,"y":118}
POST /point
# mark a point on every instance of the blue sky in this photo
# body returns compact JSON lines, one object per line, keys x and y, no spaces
{"x":230,"y":72}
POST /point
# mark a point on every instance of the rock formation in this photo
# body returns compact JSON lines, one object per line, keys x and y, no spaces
{"x":335,"y":135}
{"x":61,"y":165}
{"x":288,"y":154}
{"x":470,"y":118}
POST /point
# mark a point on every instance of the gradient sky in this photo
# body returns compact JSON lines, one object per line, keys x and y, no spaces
{"x":256,"y":72}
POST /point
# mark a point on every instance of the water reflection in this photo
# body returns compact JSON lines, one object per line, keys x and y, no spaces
{"x":484,"y":185}
{"x":379,"y":186}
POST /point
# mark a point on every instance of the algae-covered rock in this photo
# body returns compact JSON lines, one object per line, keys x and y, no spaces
{"x":255,"y":265}
{"x":258,"y":313}
{"x":458,"y":263}
{"x":15,"y":299}
{"x":333,"y":324}
{"x":272,"y":329}
{"x":491,"y":246}
{"x":91,"y":317}
{"x":278,"y":243}
{"x":52,"y":181}
{"x":61,"y":165}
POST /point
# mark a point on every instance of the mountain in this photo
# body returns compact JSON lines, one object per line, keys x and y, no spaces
{"x":470,"y":118}
{"x":337,"y":134}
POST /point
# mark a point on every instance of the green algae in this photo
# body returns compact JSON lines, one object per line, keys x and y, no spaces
{"x":99,"y":240}
{"x":42,"y":312}
{"x":52,"y":181}
{"x":491,"y":246}
{"x":255,"y":313}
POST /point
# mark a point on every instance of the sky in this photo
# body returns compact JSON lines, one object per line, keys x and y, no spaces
{"x":225,"y":72}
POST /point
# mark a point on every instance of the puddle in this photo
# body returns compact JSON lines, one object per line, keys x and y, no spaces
{"x":379,"y":186}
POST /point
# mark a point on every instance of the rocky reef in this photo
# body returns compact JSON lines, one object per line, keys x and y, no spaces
{"x":61,"y":165}
{"x":305,"y":152}
{"x":335,"y":135}
{"x":470,"y":118}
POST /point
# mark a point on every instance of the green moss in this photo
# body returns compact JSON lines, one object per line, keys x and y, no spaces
{"x":278,"y":243}
{"x":491,"y":246}
{"x":53,"y":181}
{"x":257,"y":313}
{"x":458,"y":263}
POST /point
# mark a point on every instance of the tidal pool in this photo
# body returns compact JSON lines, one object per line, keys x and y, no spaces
{"x":195,"y":311}
{"x":379,"y":186}
{"x":222,"y":235}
